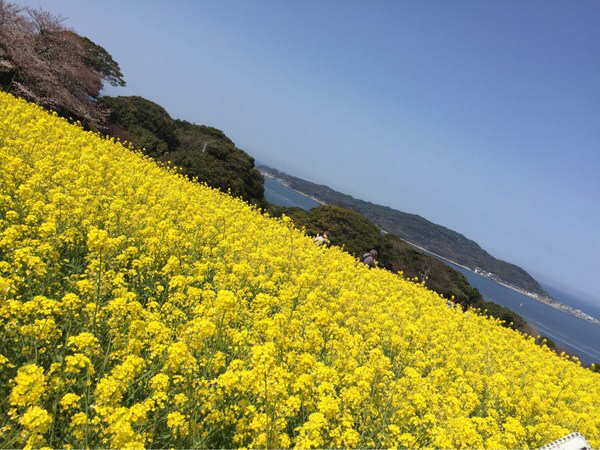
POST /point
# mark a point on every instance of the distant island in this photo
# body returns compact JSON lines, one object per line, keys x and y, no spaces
{"x":430,"y":237}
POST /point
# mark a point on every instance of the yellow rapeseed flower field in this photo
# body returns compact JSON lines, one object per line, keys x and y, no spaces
{"x":139,"y":309}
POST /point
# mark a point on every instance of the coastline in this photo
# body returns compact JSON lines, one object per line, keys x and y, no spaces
{"x":546,"y":300}
{"x":285,"y":183}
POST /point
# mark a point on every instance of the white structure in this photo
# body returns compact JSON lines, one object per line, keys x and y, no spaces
{"x":573,"y":441}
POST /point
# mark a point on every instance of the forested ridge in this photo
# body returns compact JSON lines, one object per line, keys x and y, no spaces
{"x":418,"y":230}
{"x":200,"y":152}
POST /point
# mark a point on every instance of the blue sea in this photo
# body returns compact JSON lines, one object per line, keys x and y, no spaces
{"x":281,"y":195}
{"x":577,"y":336}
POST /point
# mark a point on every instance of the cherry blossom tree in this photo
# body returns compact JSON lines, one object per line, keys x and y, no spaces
{"x":44,"y":62}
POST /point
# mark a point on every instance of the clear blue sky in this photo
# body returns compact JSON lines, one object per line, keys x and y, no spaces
{"x":483,"y":117}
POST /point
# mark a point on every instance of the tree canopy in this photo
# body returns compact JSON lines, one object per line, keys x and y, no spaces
{"x":357,"y":235}
{"x":145,"y":124}
{"x":200,"y":152}
{"x":97,"y":57}
{"x":46,"y":63}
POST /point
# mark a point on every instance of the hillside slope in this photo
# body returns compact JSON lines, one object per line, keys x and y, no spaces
{"x":418,"y":230}
{"x":356,"y":234}
{"x":140,"y":309}
{"x":200,"y":152}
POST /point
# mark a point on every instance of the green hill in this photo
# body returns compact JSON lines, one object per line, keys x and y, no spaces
{"x":357,"y":235}
{"x":418,"y":230}
{"x":198,"y":151}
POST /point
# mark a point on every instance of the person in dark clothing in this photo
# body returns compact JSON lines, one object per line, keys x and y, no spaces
{"x":370,"y":258}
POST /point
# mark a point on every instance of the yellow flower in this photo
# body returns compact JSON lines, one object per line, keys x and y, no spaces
{"x":180,"y":359}
{"x":177,"y":423}
{"x":4,"y":361}
{"x":85,"y":343}
{"x":139,"y":412}
{"x":70,"y":401}
{"x":180,"y":400}
{"x":310,"y":434}
{"x":189,"y":310}
{"x":329,"y":407}
{"x":78,"y":425}
{"x":43,"y":331}
{"x":77,"y":362}
{"x":159,"y":382}
{"x":30,"y":386}
{"x":36,"y":420}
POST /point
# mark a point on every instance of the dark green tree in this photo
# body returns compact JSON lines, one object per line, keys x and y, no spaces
{"x":145,"y":124}
{"x":101,"y":61}
{"x":208,"y":155}
{"x":347,"y":228}
{"x":202,"y":153}
{"x":357,"y":235}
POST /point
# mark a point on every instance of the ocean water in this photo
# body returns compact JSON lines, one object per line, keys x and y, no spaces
{"x":583,"y":304}
{"x":577,"y":336}
{"x":281,"y":195}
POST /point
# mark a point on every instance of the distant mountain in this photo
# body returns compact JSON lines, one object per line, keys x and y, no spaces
{"x":419,"y":231}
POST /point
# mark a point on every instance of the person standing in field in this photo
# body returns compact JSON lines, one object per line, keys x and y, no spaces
{"x":370,"y":258}
{"x":322,"y":239}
